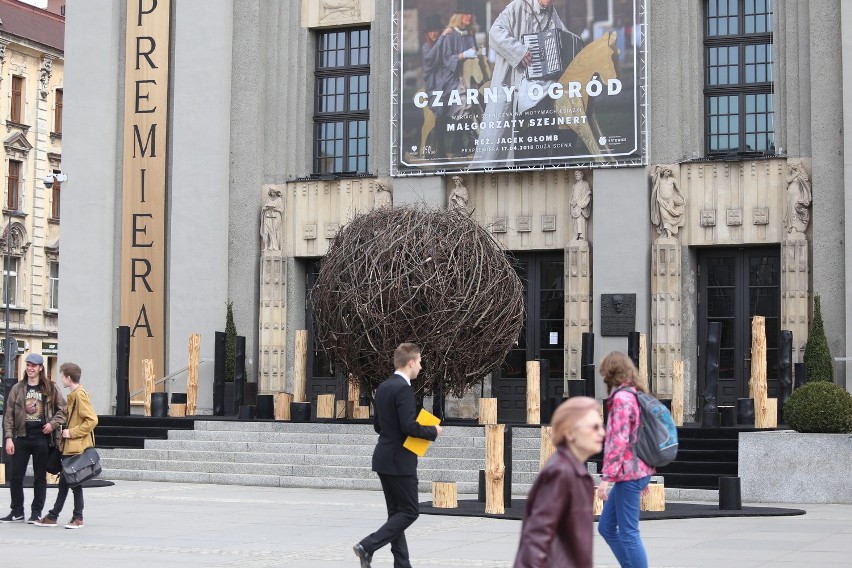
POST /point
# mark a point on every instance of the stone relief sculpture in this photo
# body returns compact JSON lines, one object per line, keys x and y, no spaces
{"x":581,"y":204}
{"x":384,"y":196}
{"x":44,"y":74}
{"x":668,"y":204}
{"x":341,"y":8}
{"x":271,"y":218}
{"x":799,"y":195}
{"x":458,"y":195}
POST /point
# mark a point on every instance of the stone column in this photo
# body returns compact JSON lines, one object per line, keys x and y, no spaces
{"x":578,"y":301}
{"x":273,"y":322}
{"x":795,"y":294}
{"x":665,"y":312}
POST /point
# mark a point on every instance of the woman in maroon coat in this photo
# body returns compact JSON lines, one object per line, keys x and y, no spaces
{"x":558,"y":521}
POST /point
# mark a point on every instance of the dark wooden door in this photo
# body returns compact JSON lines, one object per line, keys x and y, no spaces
{"x":736,"y":285}
{"x":322,"y":377}
{"x":542,"y":338}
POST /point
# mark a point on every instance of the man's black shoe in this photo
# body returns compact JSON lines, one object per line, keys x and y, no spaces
{"x":364,"y":556}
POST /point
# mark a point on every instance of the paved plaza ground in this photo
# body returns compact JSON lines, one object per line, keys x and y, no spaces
{"x":172,"y":524}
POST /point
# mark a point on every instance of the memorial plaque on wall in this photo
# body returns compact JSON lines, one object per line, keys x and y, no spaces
{"x":618,"y":314}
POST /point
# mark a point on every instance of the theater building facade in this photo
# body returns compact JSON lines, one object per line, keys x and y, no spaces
{"x":685,"y":163}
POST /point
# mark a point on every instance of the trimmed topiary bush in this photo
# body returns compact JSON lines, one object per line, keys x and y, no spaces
{"x":820,"y":407}
{"x":230,"y":343}
{"x":817,"y":355}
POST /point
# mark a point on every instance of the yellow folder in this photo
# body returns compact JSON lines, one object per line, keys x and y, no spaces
{"x":420,"y":445}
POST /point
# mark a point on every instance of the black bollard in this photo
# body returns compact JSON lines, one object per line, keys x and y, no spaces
{"x":728,"y":415}
{"x":265,"y":407}
{"x":240,"y":371}
{"x":710,"y":409}
{"x":801,"y":373}
{"x":576,"y":388}
{"x":633,"y":347}
{"x":219,"y":373}
{"x":785,"y":371}
{"x":246,"y":412}
{"x":745,"y":412}
{"x":159,"y":404}
{"x":507,"y":461}
{"x":481,"y":490}
{"x":587,"y":360}
{"x":300,"y":412}
{"x":730,"y":495}
{"x":122,"y":371}
{"x":178,"y":398}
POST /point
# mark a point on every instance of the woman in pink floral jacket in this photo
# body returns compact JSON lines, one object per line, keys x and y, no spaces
{"x":629,"y":475}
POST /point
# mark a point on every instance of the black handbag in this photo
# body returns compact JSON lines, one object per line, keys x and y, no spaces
{"x":81,"y":467}
{"x":54,"y":460}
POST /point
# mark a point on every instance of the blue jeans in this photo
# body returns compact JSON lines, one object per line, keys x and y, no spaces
{"x":619,"y":523}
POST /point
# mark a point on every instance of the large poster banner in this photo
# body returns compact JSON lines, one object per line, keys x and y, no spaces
{"x":504,"y":84}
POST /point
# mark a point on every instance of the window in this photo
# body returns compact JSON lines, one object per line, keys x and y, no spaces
{"x":57,"y":114}
{"x":10,"y":268}
{"x":54,"y":204}
{"x":53,"y":279}
{"x":17,"y":94}
{"x":738,"y":77}
{"x":342,"y":111}
{"x":13,"y":187}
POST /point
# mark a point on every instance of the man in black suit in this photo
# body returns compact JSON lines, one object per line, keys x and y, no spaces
{"x":394,"y":420}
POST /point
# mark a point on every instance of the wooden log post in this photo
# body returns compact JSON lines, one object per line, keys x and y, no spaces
{"x":340,"y":409}
{"x":282,"y":405}
{"x":643,"y":361}
{"x":677,"y":392}
{"x":488,"y":411}
{"x":192,"y":374}
{"x":300,"y":365}
{"x":547,"y":448}
{"x":52,"y":478}
{"x":325,"y":406}
{"x":533,"y":392}
{"x":353,"y":402}
{"x":444,"y":495}
{"x":2,"y":473}
{"x":654,"y":499}
{"x":495,"y":469}
{"x":597,"y":507}
{"x":148,"y":370}
{"x":765,"y":414}
{"x":177,"y":410}
{"x":354,"y":395}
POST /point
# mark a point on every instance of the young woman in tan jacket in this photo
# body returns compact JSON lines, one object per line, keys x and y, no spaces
{"x":77,"y":435}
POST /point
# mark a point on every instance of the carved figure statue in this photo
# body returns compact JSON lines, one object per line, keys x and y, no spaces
{"x":618,"y":302}
{"x":44,"y":74}
{"x":668,"y":204}
{"x":384,"y":197}
{"x":581,"y":203}
{"x":797,"y":216}
{"x":271,"y":218}
{"x":458,"y":195}
{"x":341,"y":7}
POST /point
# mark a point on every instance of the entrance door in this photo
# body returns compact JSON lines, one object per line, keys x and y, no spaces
{"x":735,"y":285}
{"x":322,"y":378}
{"x":543,"y":277}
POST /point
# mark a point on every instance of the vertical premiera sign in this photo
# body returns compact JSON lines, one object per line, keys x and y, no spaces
{"x":143,"y":247}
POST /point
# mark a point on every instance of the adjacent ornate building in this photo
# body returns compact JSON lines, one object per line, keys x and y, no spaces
{"x":31,"y":105}
{"x":725,"y":202}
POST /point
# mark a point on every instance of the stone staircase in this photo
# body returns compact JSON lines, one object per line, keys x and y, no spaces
{"x":319,"y":455}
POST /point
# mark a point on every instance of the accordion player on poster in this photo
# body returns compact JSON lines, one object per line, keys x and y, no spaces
{"x":532,"y":47}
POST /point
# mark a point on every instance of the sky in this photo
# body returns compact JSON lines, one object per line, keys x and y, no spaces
{"x":39,"y":3}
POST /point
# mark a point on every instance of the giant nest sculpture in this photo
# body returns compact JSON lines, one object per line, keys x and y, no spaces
{"x":435,"y":278}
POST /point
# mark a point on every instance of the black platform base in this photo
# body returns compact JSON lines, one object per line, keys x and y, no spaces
{"x":97,"y":482}
{"x":473,"y":508}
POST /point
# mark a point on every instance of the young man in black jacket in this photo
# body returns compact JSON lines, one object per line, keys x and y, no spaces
{"x":395,"y":420}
